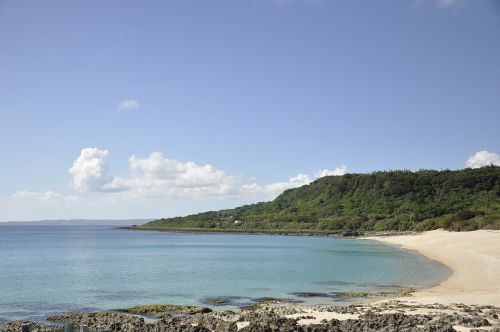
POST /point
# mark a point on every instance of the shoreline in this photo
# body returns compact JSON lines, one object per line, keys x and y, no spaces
{"x":240,"y":231}
{"x":469,"y":298}
{"x":391,"y":315}
{"x":283,"y":232}
{"x":474,"y":258}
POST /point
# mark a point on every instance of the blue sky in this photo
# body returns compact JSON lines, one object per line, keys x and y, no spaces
{"x":130,"y":109}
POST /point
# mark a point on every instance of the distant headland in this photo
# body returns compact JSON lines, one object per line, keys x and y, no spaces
{"x":460,"y":200}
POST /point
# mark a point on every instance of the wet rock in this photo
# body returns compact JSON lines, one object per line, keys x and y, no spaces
{"x":103,"y":320}
{"x":269,"y":316}
{"x":311,"y":294}
{"x":220,"y":300}
{"x":262,"y":302}
{"x":350,"y":295}
{"x":159,"y":310}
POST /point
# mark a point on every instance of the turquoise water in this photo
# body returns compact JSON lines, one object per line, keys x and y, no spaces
{"x":49,"y":269}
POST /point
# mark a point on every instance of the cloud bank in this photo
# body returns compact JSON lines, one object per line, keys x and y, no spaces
{"x":161,"y":177}
{"x":153,"y":185}
{"x":46,"y":197}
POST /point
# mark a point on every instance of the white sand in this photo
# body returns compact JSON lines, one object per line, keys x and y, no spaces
{"x":474,"y":258}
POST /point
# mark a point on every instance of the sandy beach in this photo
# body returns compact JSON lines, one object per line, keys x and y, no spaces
{"x":474,"y":258}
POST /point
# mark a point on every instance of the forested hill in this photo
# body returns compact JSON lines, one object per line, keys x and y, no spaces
{"x":396,"y":200}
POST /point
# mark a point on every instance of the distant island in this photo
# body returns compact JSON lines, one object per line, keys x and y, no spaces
{"x":460,"y":200}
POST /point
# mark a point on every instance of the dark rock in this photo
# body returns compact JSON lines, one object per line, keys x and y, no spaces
{"x":175,"y":325}
{"x":220,"y":300}
{"x":274,"y":299}
{"x":349,"y":295}
{"x":371,"y":321}
{"x":269,"y":317}
{"x":351,"y":233}
{"x":103,"y":320}
{"x":217,"y":321}
{"x":159,"y":310}
{"x":457,"y":319}
{"x":271,"y":323}
{"x":311,"y":294}
{"x":15,"y":326}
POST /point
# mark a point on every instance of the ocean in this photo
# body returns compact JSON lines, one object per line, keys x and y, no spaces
{"x":58,"y":268}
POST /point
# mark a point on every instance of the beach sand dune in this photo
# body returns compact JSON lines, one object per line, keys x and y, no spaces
{"x":474,"y":258}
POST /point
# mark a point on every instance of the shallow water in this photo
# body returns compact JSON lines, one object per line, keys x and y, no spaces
{"x":50,"y":269}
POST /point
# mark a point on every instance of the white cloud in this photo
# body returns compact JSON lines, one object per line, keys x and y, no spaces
{"x":89,"y":170}
{"x":159,"y":176}
{"x":483,"y":158}
{"x":341,"y":170}
{"x":272,"y":190}
{"x":128,"y":104}
{"x":154,"y":185}
{"x":277,"y":188}
{"x":46,"y":197}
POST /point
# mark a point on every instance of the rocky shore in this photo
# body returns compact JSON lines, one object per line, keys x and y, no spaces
{"x":273,"y":316}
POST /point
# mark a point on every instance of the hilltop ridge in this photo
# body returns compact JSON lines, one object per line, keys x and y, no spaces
{"x":403,"y":200}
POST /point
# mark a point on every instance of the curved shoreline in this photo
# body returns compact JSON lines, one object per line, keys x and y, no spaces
{"x":474,"y":258}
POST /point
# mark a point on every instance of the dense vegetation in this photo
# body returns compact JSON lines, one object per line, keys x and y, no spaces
{"x":396,"y":200}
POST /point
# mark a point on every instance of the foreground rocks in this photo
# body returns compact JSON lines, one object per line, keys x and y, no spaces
{"x":35,"y":327}
{"x":280,"y":317}
{"x":160,"y":310}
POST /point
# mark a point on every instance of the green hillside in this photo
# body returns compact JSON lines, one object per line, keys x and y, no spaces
{"x":396,"y":200}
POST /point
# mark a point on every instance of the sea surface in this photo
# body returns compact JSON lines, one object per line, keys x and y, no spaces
{"x":52,"y":269}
